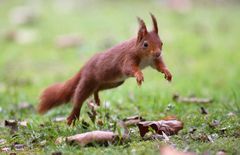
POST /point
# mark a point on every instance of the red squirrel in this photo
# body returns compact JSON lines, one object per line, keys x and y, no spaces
{"x":108,"y":69}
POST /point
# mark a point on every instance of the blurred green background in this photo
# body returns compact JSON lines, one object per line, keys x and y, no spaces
{"x":44,"y":42}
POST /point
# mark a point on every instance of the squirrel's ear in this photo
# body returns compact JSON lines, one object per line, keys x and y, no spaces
{"x":142,"y":29}
{"x":155,"y":26}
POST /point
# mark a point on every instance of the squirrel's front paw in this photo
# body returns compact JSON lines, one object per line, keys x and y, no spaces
{"x":168,"y":75}
{"x":139,"y":77}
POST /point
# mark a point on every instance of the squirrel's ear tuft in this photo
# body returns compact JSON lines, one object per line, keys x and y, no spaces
{"x":155,"y":26}
{"x":142,"y":29}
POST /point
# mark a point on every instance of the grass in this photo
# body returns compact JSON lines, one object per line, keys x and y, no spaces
{"x":201,"y":48}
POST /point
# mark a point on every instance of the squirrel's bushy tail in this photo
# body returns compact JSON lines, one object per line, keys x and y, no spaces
{"x":58,"y":94}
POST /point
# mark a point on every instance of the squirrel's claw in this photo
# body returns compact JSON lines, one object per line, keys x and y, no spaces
{"x":139,"y":78}
{"x":168,"y":75}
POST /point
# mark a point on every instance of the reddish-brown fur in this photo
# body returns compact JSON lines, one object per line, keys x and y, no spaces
{"x":107,"y":70}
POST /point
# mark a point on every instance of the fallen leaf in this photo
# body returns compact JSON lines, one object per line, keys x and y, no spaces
{"x":169,"y":127}
{"x":68,"y":41}
{"x":93,"y":136}
{"x":167,"y":150}
{"x":192,"y":99}
{"x":6,"y":149}
{"x":132,"y":120}
{"x":19,"y":147}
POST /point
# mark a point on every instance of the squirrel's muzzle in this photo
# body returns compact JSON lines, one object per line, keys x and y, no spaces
{"x":157,"y":54}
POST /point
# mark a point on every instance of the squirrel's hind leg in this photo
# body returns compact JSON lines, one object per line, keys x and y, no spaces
{"x":84,"y":89}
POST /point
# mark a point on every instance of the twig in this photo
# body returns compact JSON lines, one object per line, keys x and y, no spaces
{"x":178,"y":98}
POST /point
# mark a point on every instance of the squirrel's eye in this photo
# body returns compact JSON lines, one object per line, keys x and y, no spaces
{"x":145,"y":44}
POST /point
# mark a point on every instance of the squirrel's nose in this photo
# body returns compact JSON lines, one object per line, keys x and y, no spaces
{"x":157,"y":54}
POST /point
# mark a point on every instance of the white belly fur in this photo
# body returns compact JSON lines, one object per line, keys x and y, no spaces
{"x":145,"y":62}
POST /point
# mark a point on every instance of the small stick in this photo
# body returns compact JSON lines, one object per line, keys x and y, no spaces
{"x":178,"y":98}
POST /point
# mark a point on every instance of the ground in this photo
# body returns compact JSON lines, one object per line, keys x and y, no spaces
{"x":201,"y":49}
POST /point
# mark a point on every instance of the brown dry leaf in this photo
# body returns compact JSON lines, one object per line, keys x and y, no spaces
{"x":192,"y":99}
{"x":68,"y":41}
{"x":93,"y":136}
{"x":132,"y":120}
{"x":169,"y":126}
{"x":167,"y":150}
